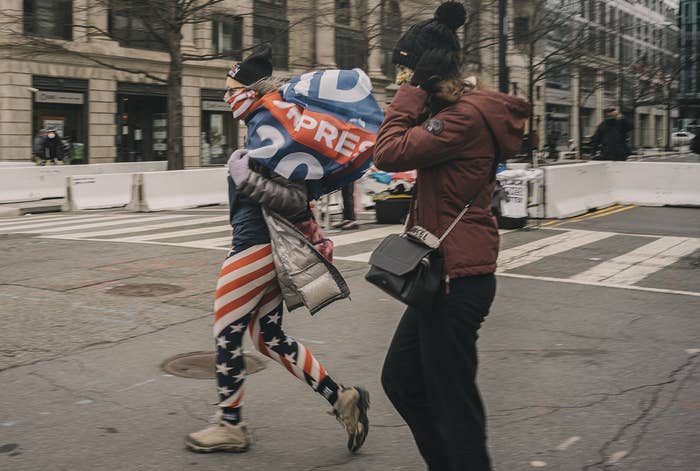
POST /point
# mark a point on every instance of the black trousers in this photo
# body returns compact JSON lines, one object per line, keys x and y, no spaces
{"x":430,"y":376}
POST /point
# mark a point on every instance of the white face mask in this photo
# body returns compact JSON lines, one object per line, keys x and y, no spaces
{"x":52,"y":135}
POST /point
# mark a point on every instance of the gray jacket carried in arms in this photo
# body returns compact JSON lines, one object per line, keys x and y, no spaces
{"x":305,"y":277}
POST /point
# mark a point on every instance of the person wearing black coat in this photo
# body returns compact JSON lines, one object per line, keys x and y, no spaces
{"x":611,"y":136}
{"x":51,"y":148}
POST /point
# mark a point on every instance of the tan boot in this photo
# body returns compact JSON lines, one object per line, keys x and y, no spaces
{"x":220,"y":436}
{"x":351,"y":410}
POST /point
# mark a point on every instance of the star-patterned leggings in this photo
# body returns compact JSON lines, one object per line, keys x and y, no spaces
{"x":248,"y":296}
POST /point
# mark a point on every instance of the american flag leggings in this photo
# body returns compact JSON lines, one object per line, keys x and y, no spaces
{"x":248,"y":296}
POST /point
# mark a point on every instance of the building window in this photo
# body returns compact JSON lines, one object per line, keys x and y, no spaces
{"x":342,"y":12}
{"x":558,"y":76}
{"x":130,"y":30}
{"x":350,"y":43}
{"x":270,"y":26}
{"x":227,"y":36}
{"x":390,"y":34}
{"x":521,"y":29}
{"x":49,"y":18}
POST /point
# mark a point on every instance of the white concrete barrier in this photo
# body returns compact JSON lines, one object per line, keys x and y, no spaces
{"x":19,"y":184}
{"x":655,"y":183}
{"x":181,"y":189}
{"x":573,"y":189}
{"x":100,"y":191}
{"x":8,"y":164}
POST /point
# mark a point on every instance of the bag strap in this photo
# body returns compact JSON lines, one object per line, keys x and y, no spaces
{"x":492,"y":175}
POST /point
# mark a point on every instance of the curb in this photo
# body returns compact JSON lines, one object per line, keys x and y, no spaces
{"x":13,"y":211}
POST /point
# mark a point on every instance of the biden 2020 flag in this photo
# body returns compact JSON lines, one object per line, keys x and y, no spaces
{"x":320,"y":127}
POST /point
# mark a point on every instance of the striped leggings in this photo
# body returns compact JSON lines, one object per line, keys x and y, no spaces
{"x":248,"y":297}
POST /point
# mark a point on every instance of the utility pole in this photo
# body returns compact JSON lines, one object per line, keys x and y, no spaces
{"x":502,"y":45}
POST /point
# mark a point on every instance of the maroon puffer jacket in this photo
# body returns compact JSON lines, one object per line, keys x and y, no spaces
{"x":454,"y":153}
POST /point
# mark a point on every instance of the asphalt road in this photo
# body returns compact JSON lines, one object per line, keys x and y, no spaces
{"x":588,"y":360}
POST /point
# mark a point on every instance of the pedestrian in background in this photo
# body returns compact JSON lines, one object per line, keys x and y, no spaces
{"x":695,"y":144}
{"x":51,"y":148}
{"x":349,"y":221}
{"x":430,"y":369}
{"x":610,"y":137}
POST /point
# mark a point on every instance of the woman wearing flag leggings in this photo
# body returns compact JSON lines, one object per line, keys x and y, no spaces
{"x":248,"y":296}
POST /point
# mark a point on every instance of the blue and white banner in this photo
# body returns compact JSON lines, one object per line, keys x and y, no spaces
{"x":321,"y":127}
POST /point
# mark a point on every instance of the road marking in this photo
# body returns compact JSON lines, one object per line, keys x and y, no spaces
{"x":128,"y":220}
{"x":616,"y":457}
{"x":596,"y":216}
{"x":617,"y":208}
{"x":633,"y":266}
{"x":692,"y":351}
{"x":364,"y":236}
{"x":636,"y":273}
{"x":38,"y":218}
{"x":538,"y":464}
{"x":534,"y":251}
{"x":360,"y":257}
{"x":151,"y":227}
{"x":582,"y":216}
{"x":599,"y":284}
{"x":68,"y":220}
{"x":567,"y":443}
{"x":172,"y":235}
{"x":217,"y":243}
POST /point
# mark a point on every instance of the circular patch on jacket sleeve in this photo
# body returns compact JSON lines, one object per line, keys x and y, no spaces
{"x":434,"y":126}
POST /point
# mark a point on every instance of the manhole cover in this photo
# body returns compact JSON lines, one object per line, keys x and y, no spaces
{"x":200,"y":365}
{"x":145,"y":289}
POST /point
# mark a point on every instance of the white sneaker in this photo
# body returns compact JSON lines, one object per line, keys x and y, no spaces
{"x":220,"y":436}
{"x":351,"y":410}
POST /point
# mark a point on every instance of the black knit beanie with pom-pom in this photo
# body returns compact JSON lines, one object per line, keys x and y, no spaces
{"x":439,"y":32}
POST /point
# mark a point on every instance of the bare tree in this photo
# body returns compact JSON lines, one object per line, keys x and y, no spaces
{"x":551,"y":40}
{"x":160,"y":25}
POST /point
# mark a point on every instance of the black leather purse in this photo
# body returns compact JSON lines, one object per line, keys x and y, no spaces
{"x":409,"y":267}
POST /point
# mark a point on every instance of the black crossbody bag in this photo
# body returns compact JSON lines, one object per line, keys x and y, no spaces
{"x":409,"y":266}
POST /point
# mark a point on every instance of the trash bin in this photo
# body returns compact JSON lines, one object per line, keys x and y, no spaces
{"x":513,"y":205}
{"x":391,"y":209}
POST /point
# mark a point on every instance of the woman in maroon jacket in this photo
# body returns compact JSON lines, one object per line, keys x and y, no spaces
{"x":430,"y":369}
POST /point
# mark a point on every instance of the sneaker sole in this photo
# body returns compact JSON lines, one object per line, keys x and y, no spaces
{"x":197,"y":448}
{"x":356,"y":440}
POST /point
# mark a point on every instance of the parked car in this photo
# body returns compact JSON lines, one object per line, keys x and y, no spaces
{"x":681,"y":138}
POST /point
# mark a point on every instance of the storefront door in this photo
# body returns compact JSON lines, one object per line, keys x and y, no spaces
{"x":142,"y":128}
{"x":219,"y":132}
{"x":61,"y":104}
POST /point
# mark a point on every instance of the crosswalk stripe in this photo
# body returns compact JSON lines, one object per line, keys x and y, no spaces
{"x":187,"y":221}
{"x":217,"y":243}
{"x":533,"y":251}
{"x":364,"y":236}
{"x":636,"y":273}
{"x":600,"y":284}
{"x":172,"y":235}
{"x":64,"y":221}
{"x":615,"y":266}
{"x":55,"y":230}
{"x":526,"y":253}
{"x":38,"y":218}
